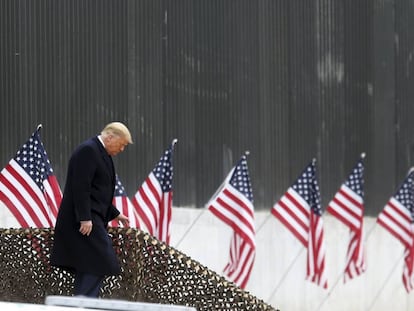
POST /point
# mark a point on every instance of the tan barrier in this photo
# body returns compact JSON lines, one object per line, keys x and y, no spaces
{"x":151,"y":272}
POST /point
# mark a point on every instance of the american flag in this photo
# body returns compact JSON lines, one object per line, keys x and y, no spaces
{"x":300,"y":211}
{"x":348,"y":206}
{"x":124,"y":205}
{"x":153,"y":200}
{"x":233,"y":204}
{"x":397,"y":218}
{"x":28,"y":187}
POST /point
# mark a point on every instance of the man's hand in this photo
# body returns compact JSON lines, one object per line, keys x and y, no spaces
{"x":85,"y":227}
{"x":123,"y":219}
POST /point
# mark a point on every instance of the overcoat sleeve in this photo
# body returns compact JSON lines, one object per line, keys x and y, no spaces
{"x":113,"y":213}
{"x":84,"y":167}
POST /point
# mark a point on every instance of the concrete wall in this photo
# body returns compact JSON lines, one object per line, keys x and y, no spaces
{"x":278,"y":276}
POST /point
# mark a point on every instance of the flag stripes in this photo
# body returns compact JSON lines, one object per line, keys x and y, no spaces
{"x":241,"y":261}
{"x":233,"y":204}
{"x":316,"y":252}
{"x":355,"y":260}
{"x":53,"y":196}
{"x":236,"y":212}
{"x":299,"y":210}
{"x":28,"y":187}
{"x":153,"y":200}
{"x":31,"y":192}
{"x":21,"y":194}
{"x":408,"y":269}
{"x":149,"y":196}
{"x":397,"y":218}
{"x":348,"y":207}
{"x":165,"y":217}
{"x":124,"y":205}
{"x":293,"y":211}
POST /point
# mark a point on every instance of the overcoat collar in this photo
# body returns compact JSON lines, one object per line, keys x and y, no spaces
{"x":107,"y":158}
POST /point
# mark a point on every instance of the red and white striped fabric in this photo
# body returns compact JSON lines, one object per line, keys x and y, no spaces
{"x":397,"y":218}
{"x":241,"y":260}
{"x":153,"y":200}
{"x":348,"y":206}
{"x":124,"y":205}
{"x":408,"y":269}
{"x":300,"y":211}
{"x":233,"y":204}
{"x":28,"y":187}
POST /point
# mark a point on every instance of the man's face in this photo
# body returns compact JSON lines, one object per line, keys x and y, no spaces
{"x":115,"y":145}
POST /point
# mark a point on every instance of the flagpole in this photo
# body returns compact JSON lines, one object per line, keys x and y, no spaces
{"x":287,"y":270}
{"x":190,"y":227}
{"x":291,"y":264}
{"x":285,"y":274}
{"x":246,"y":153}
{"x":49,"y":210}
{"x":342,"y":273}
{"x":384,"y":283}
{"x":175,"y":140}
{"x":398,"y":261}
{"x":330,"y":291}
{"x":263,"y":223}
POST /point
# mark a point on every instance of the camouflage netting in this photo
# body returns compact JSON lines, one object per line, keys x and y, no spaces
{"x":151,"y":272}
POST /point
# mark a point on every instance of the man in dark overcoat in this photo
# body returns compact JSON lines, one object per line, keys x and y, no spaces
{"x":81,"y":241}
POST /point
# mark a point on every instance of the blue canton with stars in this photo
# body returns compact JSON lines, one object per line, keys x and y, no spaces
{"x":356,"y":181}
{"x":241,"y":180}
{"x":33,"y":159}
{"x":307,"y":187}
{"x":119,"y":188}
{"x":164,"y":171}
{"x":405,"y":195}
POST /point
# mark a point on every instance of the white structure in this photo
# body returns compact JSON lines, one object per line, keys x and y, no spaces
{"x":61,"y":303}
{"x":111,"y":304}
{"x":278,"y":276}
{"x":11,"y":306}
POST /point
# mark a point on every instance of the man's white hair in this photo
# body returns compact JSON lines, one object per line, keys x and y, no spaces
{"x":118,"y":129}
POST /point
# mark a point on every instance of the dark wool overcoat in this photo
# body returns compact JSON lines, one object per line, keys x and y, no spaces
{"x":88,"y":194}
